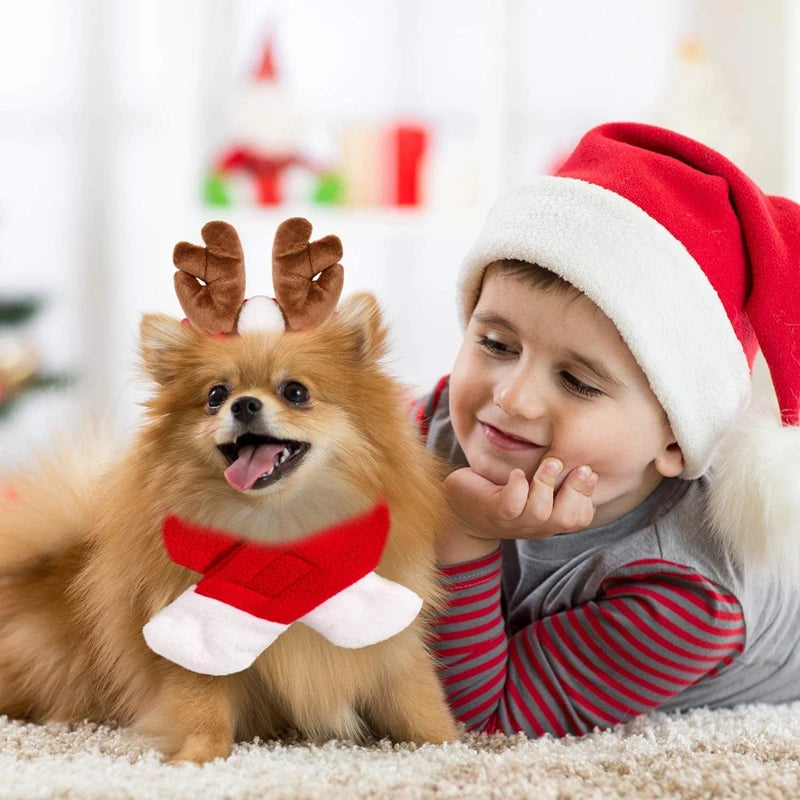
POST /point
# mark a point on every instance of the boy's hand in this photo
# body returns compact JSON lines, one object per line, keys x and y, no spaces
{"x":484,"y":511}
{"x":522,"y":511}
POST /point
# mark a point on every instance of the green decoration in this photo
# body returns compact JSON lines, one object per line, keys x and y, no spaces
{"x":329,"y":189}
{"x":10,"y":398}
{"x":215,"y":190}
{"x":18,"y":310}
{"x":19,"y":361}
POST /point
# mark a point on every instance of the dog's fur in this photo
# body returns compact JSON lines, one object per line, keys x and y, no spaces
{"x":83,"y":566}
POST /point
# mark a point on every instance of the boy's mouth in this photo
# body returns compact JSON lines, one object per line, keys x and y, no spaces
{"x":506,"y":441}
{"x":258,"y":461}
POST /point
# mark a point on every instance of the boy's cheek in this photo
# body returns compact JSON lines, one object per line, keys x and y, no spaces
{"x":496,"y":474}
{"x":459,"y":390}
{"x":460,"y":412}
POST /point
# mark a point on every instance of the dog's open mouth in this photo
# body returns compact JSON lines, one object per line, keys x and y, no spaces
{"x":257,"y":461}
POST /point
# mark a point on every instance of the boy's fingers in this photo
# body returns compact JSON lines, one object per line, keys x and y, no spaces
{"x":475,"y":501}
{"x":466,"y":489}
{"x":573,"y":505}
{"x":512,"y":498}
{"x":540,"y":497}
{"x":547,"y":472}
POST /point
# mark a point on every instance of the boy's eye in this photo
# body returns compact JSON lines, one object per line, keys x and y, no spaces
{"x":495,"y":347}
{"x":217,"y":395}
{"x":575,"y":385}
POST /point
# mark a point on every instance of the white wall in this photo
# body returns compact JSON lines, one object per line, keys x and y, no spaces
{"x":110,"y":109}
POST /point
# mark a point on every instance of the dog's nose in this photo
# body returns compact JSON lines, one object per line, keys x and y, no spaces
{"x":245,"y":408}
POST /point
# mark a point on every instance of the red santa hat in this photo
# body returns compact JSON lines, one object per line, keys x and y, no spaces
{"x":697,"y":268}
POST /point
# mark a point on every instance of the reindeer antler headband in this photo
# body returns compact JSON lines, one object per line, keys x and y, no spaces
{"x":210,"y":281}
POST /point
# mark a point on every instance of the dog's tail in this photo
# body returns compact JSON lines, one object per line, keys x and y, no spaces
{"x":45,"y":508}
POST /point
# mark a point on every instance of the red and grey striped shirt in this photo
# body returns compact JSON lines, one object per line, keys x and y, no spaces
{"x":589,"y":629}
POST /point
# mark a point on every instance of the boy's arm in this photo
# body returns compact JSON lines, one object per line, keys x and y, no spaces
{"x":654,"y":629}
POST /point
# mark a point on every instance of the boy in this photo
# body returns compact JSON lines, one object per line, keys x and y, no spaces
{"x":611,"y":314}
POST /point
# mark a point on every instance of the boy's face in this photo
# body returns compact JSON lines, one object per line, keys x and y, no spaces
{"x":545,"y":372}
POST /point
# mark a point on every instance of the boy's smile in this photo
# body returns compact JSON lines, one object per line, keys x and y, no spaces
{"x":505,"y":441}
{"x":542,"y":371}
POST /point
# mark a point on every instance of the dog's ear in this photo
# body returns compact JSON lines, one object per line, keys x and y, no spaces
{"x":360,"y":319}
{"x":163,"y":344}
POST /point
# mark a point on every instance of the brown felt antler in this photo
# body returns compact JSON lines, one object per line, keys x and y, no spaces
{"x":296,"y":261}
{"x":213,"y":304}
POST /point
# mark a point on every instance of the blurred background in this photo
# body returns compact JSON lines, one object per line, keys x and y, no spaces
{"x":393,"y":123}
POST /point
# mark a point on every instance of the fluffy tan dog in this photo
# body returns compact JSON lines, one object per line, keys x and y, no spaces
{"x":84,"y":568}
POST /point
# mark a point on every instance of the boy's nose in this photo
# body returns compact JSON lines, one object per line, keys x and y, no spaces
{"x":516,"y":397}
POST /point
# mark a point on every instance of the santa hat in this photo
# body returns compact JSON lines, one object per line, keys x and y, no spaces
{"x":697,"y":268}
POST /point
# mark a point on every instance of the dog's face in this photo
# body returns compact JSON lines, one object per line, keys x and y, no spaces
{"x":264,"y":412}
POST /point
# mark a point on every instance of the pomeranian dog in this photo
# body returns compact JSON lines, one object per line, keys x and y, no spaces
{"x":83,"y":565}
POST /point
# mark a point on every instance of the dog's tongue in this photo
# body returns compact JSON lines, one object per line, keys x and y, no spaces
{"x":252,"y":463}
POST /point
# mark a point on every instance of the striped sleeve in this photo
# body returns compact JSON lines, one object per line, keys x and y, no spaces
{"x":654,"y":629}
{"x":423,"y":408}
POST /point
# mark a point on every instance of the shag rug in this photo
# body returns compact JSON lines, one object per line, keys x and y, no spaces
{"x":746,"y":752}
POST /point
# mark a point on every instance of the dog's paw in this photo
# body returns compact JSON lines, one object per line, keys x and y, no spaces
{"x":437,"y":732}
{"x":199,"y":748}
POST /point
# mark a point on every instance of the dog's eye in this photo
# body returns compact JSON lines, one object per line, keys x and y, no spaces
{"x":294,"y":392}
{"x":217,"y":395}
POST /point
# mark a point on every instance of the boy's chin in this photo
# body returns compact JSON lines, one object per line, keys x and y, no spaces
{"x":498,"y":472}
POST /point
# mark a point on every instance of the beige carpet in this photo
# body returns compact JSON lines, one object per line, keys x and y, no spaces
{"x":751,"y":752}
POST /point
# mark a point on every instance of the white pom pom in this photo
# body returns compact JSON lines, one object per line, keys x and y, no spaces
{"x":261,"y":313}
{"x":755,"y":494}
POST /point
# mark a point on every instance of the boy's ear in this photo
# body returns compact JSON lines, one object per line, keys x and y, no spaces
{"x":359,"y":317}
{"x":163,"y":344}
{"x":669,"y":462}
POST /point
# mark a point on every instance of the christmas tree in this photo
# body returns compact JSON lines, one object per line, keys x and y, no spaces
{"x":20,"y":370}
